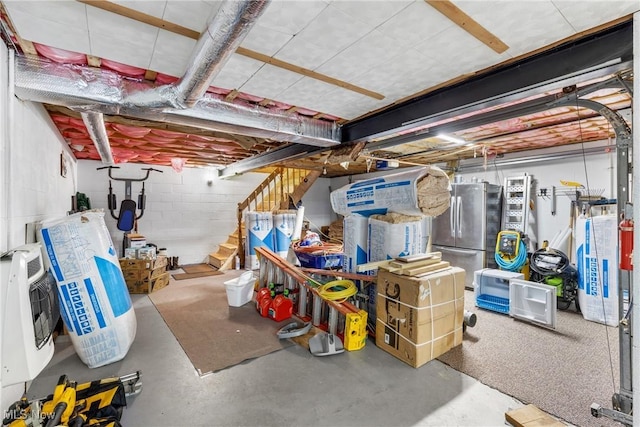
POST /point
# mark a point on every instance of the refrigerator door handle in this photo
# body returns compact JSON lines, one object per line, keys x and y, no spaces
{"x":458,"y":251}
{"x":458,"y":209}
{"x":452,"y":214}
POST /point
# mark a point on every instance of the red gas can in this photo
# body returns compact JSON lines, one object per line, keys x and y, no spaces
{"x":281,"y":308}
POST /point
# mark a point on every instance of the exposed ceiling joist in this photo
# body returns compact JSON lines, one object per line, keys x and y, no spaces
{"x":467,"y":23}
{"x":178,"y":29}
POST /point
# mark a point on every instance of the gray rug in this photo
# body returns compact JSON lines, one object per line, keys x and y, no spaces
{"x":213,"y":334}
{"x":561,"y":371}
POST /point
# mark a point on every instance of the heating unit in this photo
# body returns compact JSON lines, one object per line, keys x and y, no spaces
{"x":31,"y":312}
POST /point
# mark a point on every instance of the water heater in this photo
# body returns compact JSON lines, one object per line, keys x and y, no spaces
{"x":31,"y":312}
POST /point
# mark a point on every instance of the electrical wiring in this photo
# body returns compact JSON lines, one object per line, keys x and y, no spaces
{"x":346,"y":289}
{"x":516,"y":263}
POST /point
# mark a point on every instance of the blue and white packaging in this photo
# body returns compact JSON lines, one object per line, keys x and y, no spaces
{"x":94,"y":300}
{"x":284,"y":223}
{"x":394,"y":192}
{"x":259,"y":226}
{"x":597,"y":264}
{"x":355,"y":237}
{"x":394,"y":235}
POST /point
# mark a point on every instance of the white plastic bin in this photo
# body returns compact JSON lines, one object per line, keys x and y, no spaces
{"x":240,"y":289}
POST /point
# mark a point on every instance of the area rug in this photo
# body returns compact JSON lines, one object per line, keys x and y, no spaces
{"x":192,"y":271}
{"x":561,"y":371}
{"x":214,"y":335}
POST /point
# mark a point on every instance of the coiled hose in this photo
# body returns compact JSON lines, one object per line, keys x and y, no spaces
{"x":516,"y":263}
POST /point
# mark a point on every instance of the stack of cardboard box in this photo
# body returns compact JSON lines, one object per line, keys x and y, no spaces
{"x":419,"y":317}
{"x":144,"y":276}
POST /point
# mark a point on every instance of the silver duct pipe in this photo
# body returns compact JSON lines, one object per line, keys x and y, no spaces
{"x":216,"y":44}
{"x":102,"y":91}
{"x":97,"y":131}
{"x":94,"y":92}
{"x":222,"y":37}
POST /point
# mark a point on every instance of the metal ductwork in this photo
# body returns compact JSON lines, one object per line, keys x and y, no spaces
{"x":95,"y":126}
{"x":216,"y":44}
{"x":222,"y":37}
{"x":98,"y":91}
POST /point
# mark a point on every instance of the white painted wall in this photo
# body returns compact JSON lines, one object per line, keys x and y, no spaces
{"x":595,"y":171}
{"x":33,"y":188}
{"x":183,"y":213}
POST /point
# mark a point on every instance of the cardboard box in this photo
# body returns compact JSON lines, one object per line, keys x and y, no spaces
{"x":144,"y":276}
{"x":137,"y":242}
{"x":143,"y":264}
{"x":415,"y":355}
{"x":420,"y":318}
{"x":147,"y":284}
{"x":147,"y":252}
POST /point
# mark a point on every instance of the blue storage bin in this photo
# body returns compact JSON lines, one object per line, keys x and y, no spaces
{"x":322,"y":261}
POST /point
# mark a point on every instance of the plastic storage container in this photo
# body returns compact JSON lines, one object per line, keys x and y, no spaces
{"x":240,"y":289}
{"x":321,"y":261}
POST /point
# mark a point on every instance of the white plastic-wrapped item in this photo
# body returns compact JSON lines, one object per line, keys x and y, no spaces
{"x":94,"y":300}
{"x":423,"y":191}
{"x":394,"y":235}
{"x":597,"y":264}
{"x":356,"y":241}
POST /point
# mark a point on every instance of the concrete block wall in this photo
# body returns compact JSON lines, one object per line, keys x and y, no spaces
{"x":183,"y":213}
{"x":32,"y":187}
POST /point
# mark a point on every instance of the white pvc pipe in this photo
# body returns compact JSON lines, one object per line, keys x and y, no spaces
{"x":563,"y":239}
{"x":297,"y":230}
{"x":555,"y":237}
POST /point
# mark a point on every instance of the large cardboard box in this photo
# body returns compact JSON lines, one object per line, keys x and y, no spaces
{"x":420,"y":318}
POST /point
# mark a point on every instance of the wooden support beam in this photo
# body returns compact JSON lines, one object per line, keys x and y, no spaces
{"x":150,"y":75}
{"x":94,"y":61}
{"x":178,"y":29}
{"x":142,"y":17}
{"x":306,"y":72}
{"x":231,"y":95}
{"x":467,"y":23}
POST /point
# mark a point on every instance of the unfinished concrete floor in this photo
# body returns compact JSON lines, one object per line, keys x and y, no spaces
{"x":287,"y":388}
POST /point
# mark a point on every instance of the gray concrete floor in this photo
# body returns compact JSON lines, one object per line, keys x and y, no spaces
{"x":287,"y":388}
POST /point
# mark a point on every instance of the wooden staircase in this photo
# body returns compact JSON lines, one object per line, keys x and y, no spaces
{"x":281,"y":189}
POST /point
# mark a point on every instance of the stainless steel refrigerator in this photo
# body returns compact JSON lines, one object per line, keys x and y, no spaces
{"x":466,"y":233}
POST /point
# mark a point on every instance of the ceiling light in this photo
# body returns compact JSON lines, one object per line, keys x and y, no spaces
{"x":452,"y":139}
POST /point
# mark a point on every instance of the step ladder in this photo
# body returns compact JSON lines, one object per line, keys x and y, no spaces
{"x":343,"y":319}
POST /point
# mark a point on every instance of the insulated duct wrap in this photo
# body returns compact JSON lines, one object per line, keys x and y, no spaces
{"x":94,"y":123}
{"x":102,"y":91}
{"x":71,"y":86}
{"x":223,"y":35}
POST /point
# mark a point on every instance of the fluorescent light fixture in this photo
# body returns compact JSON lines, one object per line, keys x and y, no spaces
{"x":453,"y":139}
